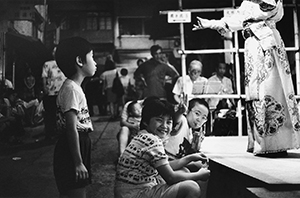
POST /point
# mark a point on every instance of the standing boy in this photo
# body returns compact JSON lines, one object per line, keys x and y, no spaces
{"x":72,"y":152}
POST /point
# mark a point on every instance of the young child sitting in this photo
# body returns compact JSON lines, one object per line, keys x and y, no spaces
{"x":144,"y":160}
{"x":130,"y":123}
{"x":134,"y":111}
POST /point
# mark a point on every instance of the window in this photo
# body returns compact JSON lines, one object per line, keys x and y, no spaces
{"x":89,"y":21}
{"x":92,"y":21}
{"x":133,"y":26}
{"x":105,"y":21}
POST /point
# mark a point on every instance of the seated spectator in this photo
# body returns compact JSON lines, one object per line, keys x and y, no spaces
{"x":130,"y":123}
{"x":5,"y":83}
{"x":11,"y":114}
{"x":29,"y":86}
{"x":144,"y":160}
{"x":219,"y":84}
{"x":194,"y":82}
{"x":22,"y":109}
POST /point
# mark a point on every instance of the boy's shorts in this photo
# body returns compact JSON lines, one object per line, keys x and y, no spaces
{"x":63,"y":163}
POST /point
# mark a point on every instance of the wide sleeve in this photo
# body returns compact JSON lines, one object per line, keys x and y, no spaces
{"x":252,"y":11}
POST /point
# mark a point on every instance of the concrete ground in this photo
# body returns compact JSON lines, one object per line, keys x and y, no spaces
{"x":26,"y":170}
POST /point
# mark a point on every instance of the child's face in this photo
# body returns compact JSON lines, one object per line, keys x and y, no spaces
{"x":197,"y":116}
{"x":90,"y":65}
{"x":160,"y":126}
{"x":136,"y":110}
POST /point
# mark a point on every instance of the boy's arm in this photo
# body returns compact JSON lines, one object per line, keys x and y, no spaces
{"x":177,"y":119}
{"x":73,"y":139}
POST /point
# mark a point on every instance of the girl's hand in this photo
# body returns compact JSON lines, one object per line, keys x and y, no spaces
{"x":204,"y":174}
{"x":198,"y":157}
{"x":81,"y":172}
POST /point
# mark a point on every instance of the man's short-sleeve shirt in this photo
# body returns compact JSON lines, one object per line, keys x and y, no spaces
{"x":54,"y":77}
{"x":178,"y":87}
{"x":154,"y":73}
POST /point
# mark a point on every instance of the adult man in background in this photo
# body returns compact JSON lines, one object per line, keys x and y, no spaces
{"x":53,"y":79}
{"x":153,"y":72}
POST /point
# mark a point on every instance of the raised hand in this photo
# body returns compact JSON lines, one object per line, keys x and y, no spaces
{"x":201,"y":24}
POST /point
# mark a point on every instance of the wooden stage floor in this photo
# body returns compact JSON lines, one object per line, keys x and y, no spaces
{"x":279,"y":174}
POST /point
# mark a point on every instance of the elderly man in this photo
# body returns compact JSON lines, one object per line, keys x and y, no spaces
{"x":194,"y":83}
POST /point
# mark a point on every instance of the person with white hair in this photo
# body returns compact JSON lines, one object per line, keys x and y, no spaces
{"x":191,"y":80}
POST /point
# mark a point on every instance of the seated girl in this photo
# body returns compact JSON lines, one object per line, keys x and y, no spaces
{"x":144,"y":160}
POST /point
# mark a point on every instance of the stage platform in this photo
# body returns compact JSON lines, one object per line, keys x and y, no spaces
{"x":237,"y":173}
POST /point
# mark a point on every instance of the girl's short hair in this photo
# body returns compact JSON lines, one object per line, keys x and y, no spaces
{"x":67,"y":51}
{"x":154,"y":107}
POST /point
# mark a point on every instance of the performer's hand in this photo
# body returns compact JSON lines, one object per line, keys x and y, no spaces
{"x":201,"y":24}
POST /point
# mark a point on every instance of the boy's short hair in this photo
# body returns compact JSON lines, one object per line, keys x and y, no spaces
{"x":154,"y":107}
{"x":124,"y":71}
{"x":195,"y":101}
{"x":67,"y":51}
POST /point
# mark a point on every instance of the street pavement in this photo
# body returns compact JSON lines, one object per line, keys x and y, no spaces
{"x":26,"y":170}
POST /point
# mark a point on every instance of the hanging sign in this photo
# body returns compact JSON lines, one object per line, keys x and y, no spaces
{"x":230,"y":12}
{"x":179,"y":17}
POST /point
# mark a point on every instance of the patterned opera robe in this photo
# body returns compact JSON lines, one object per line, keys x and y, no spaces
{"x":272,"y":113}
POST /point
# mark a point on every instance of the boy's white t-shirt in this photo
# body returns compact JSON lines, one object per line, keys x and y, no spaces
{"x":72,"y":97}
{"x":173,"y":142}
